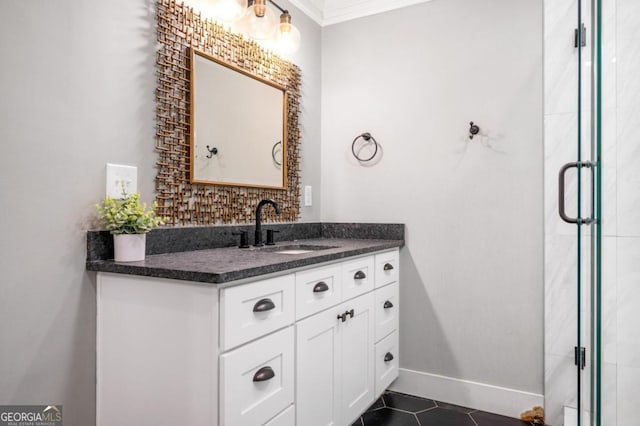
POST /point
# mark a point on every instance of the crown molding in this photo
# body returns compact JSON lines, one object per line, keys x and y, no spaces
{"x":329,"y":12}
{"x":341,"y":13}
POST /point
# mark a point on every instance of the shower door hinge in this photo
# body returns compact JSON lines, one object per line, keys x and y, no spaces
{"x":583,"y":36}
{"x":580,"y":357}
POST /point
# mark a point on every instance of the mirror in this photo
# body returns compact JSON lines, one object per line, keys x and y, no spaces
{"x":238,"y":126}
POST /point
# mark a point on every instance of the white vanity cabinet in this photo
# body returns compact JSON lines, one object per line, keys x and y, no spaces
{"x":312,"y":347}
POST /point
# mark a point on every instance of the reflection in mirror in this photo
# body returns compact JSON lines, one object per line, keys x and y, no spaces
{"x":238,"y":126}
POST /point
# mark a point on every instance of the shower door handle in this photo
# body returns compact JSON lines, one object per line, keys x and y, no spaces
{"x":561,"y":180}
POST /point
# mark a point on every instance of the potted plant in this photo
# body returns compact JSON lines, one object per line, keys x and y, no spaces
{"x":128,"y":221}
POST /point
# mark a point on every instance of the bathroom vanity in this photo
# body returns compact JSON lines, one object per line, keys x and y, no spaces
{"x":302,"y":333}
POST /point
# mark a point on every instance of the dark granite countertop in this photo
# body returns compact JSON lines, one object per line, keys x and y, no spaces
{"x":223,"y":265}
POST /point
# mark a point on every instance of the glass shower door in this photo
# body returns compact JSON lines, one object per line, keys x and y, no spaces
{"x":581,"y":212}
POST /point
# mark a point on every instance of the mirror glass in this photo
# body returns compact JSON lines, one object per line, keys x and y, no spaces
{"x":238,"y":126}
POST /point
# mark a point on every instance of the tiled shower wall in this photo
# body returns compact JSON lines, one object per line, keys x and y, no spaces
{"x":621,"y":206}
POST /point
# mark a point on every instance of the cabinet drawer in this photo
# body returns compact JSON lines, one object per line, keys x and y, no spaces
{"x":317,"y":289}
{"x":386,"y":362}
{"x":253,"y":310}
{"x":357,"y":277}
{"x":387,"y":266}
{"x":387,"y":305}
{"x":286,"y":418}
{"x":256,"y":380}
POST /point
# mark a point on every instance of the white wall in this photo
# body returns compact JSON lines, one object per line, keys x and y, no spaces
{"x":77,"y":85}
{"x":472,"y":272}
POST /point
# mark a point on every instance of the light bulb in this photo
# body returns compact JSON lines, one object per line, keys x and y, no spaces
{"x":286,"y":38}
{"x":229,"y":10}
{"x":258,"y":21}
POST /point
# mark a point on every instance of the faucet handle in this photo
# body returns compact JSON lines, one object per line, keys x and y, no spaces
{"x":270,"y":233}
{"x":244,"y":238}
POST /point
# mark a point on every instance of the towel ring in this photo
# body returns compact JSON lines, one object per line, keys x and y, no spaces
{"x":273,"y":153}
{"x":368,"y":138}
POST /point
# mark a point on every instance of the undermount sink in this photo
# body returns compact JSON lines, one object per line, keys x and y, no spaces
{"x":295,"y":249}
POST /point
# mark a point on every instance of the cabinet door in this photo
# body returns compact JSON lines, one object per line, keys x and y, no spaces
{"x":357,"y":357}
{"x":318,"y":369}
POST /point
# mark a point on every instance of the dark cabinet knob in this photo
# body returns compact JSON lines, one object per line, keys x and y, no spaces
{"x":264,"y":374}
{"x":264,"y":305}
{"x":388,"y":305}
{"x":359,"y":275}
{"x":346,"y":315}
{"x":321,"y":287}
{"x":244,"y":238}
{"x":388,"y":266}
{"x":388,"y":357}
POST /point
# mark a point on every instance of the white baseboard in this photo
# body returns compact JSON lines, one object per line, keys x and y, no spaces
{"x":481,"y":396}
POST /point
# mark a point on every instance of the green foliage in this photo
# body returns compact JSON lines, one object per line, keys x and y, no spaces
{"x":127,"y":215}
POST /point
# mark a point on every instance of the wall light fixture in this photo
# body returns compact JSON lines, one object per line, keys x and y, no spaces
{"x":256,"y":20}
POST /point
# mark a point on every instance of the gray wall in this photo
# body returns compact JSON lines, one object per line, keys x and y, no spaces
{"x":77,"y":81}
{"x":472,"y":269}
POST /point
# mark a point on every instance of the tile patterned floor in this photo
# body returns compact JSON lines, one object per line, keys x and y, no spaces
{"x":397,"y":409}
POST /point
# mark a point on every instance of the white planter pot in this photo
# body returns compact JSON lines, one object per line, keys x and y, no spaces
{"x":129,"y":247}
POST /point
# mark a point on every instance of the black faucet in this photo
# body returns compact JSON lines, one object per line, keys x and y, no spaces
{"x":258,"y":233}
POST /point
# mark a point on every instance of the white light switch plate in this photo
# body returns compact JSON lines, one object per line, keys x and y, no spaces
{"x":116,"y":174}
{"x":308,"y":196}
